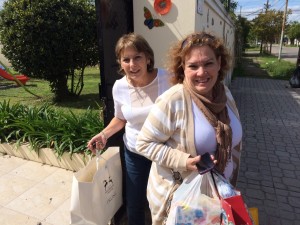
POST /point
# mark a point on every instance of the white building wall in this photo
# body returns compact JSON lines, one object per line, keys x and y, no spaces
{"x":183,"y":18}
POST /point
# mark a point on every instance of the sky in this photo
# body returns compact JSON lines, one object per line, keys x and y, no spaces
{"x":1,"y":3}
{"x":250,"y":8}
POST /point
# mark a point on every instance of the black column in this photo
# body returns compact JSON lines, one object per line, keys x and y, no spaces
{"x":114,"y":18}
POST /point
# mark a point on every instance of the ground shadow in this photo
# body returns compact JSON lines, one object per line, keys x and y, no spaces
{"x":84,"y":101}
{"x":251,"y":67}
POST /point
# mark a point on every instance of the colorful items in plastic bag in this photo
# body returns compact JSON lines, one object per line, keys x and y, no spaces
{"x":225,"y":189}
{"x":207,"y":214}
{"x":194,"y":202}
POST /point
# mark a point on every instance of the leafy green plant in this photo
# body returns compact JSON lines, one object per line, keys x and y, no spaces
{"x":45,"y":126}
{"x":277,"y":69}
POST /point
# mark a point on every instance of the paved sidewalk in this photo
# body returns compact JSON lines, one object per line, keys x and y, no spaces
{"x":270,"y":165}
{"x":33,"y":193}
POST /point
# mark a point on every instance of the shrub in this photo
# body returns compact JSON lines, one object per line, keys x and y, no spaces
{"x":47,"y":127}
{"x":51,"y":39}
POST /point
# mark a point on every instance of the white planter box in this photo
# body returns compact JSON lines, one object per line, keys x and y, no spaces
{"x":46,"y":156}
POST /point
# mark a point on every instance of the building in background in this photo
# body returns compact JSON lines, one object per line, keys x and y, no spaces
{"x":180,"y":18}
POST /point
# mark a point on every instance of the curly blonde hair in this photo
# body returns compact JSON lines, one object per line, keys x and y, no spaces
{"x":177,"y":53}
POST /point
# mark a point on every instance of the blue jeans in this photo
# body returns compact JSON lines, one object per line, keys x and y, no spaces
{"x":137,"y":173}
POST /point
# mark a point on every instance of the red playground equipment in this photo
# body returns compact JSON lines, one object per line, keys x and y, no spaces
{"x":22,"y":78}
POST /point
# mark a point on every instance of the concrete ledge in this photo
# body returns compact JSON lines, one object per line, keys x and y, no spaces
{"x":46,"y":156}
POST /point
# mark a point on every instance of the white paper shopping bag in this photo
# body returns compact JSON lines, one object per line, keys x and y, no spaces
{"x":97,"y":194}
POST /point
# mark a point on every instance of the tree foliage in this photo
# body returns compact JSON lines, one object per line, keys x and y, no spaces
{"x":229,"y":5}
{"x":294,"y":31}
{"x":267,"y":26}
{"x":243,"y":27}
{"x":52,"y":40}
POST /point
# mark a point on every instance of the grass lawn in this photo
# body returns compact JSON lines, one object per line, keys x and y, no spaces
{"x":277,"y":69}
{"x":272,"y":68}
{"x":89,"y":97}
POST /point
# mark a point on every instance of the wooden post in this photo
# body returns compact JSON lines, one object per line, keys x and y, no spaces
{"x":282,"y":30}
{"x":298,"y":58}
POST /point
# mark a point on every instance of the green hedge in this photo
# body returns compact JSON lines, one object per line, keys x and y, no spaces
{"x":48,"y":127}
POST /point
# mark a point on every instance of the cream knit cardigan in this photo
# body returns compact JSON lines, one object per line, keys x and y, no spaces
{"x":167,"y":138}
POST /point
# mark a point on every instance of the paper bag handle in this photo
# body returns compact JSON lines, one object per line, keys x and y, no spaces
{"x":98,"y":156}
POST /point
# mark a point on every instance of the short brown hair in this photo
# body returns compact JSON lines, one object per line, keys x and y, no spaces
{"x":139,"y":43}
{"x":179,"y":50}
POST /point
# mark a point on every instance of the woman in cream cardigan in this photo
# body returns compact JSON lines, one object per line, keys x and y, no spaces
{"x":197,"y":115}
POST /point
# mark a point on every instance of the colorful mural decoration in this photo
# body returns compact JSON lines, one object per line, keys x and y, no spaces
{"x":162,"y":7}
{"x":149,"y":21}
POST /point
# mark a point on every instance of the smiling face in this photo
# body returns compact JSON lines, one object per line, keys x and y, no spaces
{"x":201,"y":69}
{"x":134,"y":64}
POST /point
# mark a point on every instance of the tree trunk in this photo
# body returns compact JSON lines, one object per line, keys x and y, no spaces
{"x":61,"y":90}
{"x":261,"y":46}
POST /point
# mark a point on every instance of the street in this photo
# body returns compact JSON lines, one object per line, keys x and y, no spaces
{"x":287,"y":53}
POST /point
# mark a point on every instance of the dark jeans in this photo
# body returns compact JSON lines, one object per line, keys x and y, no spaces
{"x":137,"y":172}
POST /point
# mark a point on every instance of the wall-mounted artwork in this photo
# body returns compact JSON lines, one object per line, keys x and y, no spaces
{"x":149,"y":21}
{"x":162,"y":7}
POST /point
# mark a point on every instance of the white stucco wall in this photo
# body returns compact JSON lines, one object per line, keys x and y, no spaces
{"x":182,"y":19}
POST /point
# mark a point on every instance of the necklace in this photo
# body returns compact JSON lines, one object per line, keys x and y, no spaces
{"x":137,"y":94}
{"x":141,"y":95}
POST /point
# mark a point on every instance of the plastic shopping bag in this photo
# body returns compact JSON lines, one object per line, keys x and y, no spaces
{"x":195,"y":202}
{"x":97,"y":190}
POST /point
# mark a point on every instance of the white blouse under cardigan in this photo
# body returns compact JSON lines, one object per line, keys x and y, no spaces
{"x":167,"y":139}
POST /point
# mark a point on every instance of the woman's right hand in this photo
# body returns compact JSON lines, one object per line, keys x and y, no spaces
{"x":191,"y":163}
{"x":98,"y":142}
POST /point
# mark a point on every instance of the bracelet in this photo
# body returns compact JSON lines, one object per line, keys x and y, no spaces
{"x":104,"y":135}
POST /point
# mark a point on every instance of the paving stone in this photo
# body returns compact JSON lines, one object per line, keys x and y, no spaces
{"x":270,"y":118}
